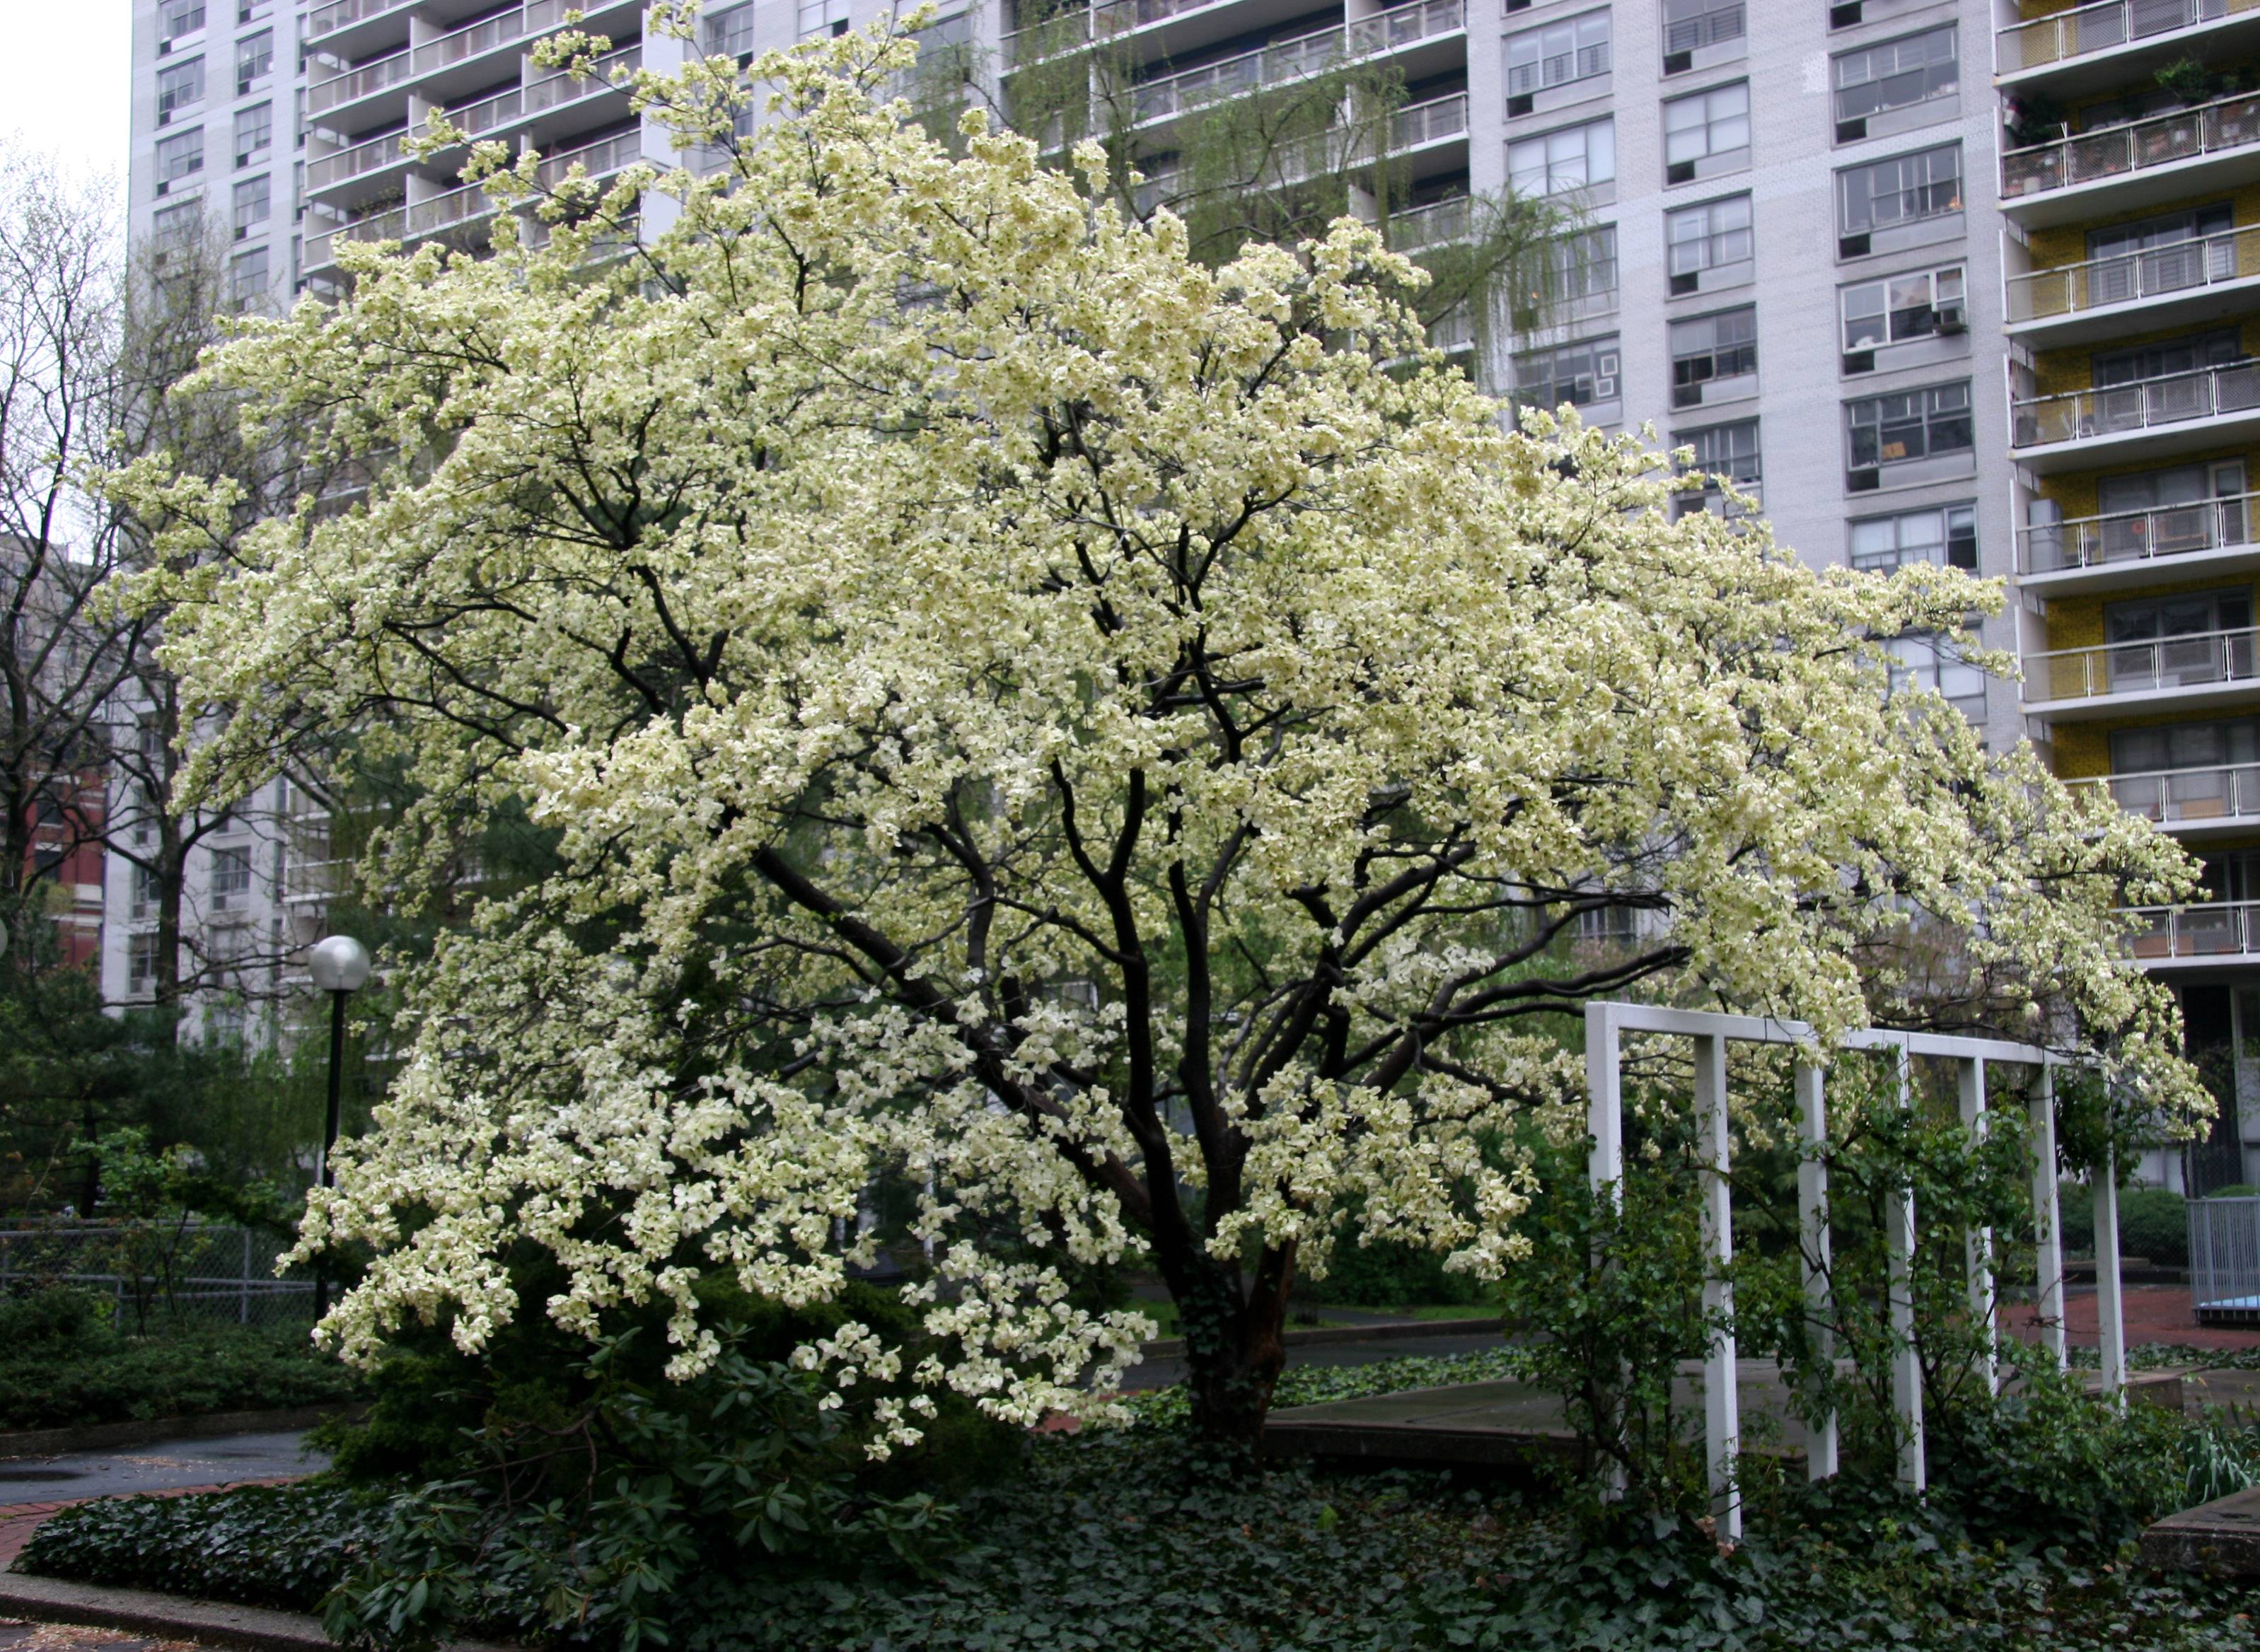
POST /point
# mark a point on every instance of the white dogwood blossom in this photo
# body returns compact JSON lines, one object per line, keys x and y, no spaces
{"x":1126,"y":749}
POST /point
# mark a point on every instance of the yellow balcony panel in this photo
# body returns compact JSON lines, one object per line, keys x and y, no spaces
{"x":2185,"y":283}
{"x":2139,"y":421}
{"x":2129,"y":550}
{"x":2183,"y":673}
{"x":2119,"y":167}
{"x":2106,"y":44}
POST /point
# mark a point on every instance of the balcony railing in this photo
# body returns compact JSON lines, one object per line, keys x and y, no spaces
{"x":356,"y":84}
{"x":2213,"y":929}
{"x":559,"y":89}
{"x":2111,"y":152}
{"x":2100,"y":27}
{"x":538,"y":17}
{"x":2137,"y":536}
{"x":2066,"y":289}
{"x":352,"y":163}
{"x":2144,"y":405}
{"x":2184,"y":797}
{"x":1417,"y":124}
{"x":458,"y":206}
{"x":2195,"y":661}
{"x":328,"y":19}
{"x":1298,"y":59}
{"x":601,"y":159}
{"x":1560,"y":69}
{"x":1435,"y":225}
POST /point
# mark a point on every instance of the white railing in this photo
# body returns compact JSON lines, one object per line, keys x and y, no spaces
{"x":1298,"y":59}
{"x":2100,"y":27}
{"x":620,"y":150}
{"x":464,"y":204}
{"x":352,"y":163}
{"x":559,"y":89}
{"x":2183,"y":797}
{"x":2212,"y":929}
{"x":2137,"y":536}
{"x":2065,"y":289}
{"x":328,"y":19}
{"x":357,"y":83}
{"x":1560,"y":69}
{"x":1417,"y":124}
{"x":490,"y":112}
{"x":2172,"y":398}
{"x":2195,"y":661}
{"x":1435,"y":225}
{"x":2112,"y":152}
{"x":486,"y":35}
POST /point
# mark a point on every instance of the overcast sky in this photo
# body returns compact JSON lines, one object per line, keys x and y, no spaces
{"x":64,"y":80}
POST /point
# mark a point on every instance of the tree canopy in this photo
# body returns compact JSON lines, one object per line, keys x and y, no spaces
{"x":1141,"y":751}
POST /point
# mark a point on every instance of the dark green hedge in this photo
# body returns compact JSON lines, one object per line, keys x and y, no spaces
{"x":263,"y":1545}
{"x":98,"y":1377}
{"x":2153,"y":1223}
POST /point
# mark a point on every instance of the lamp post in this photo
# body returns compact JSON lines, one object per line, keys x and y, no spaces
{"x":341,"y":969}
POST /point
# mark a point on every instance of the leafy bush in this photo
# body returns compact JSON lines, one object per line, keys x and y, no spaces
{"x":51,"y":1317}
{"x":260,"y":1545}
{"x":98,"y":1377}
{"x":2153,"y":1222}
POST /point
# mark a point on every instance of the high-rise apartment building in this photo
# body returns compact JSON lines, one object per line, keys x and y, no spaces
{"x":1935,"y":280}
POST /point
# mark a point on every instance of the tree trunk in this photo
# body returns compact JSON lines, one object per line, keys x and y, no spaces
{"x":1235,"y":1346}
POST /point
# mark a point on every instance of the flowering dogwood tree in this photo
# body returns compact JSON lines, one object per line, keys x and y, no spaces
{"x":1130,"y":747}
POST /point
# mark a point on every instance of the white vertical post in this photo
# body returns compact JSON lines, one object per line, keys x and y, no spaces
{"x":1812,"y":1241}
{"x":1722,"y":1425}
{"x":2047,"y":1297}
{"x":1906,"y":1369}
{"x":1978,"y":1242}
{"x":2110,"y":1317}
{"x":1605,"y":1161}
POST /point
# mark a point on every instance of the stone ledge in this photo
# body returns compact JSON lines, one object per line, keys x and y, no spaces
{"x":173,"y":1617}
{"x":2219,"y":1536}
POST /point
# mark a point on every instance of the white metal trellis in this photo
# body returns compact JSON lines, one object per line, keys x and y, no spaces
{"x":1606,"y":1023}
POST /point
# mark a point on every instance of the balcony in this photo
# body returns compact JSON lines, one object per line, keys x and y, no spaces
{"x":357,"y":26}
{"x":555,"y":91}
{"x":2126,"y":293}
{"x":357,"y":85}
{"x":418,"y":221}
{"x":2129,"y":549}
{"x":2189,"y":802}
{"x":601,"y":160}
{"x":2211,"y":931}
{"x":2115,"y":167}
{"x":345,"y":165}
{"x":1417,"y":126}
{"x":2208,"y":668}
{"x":1294,"y":60}
{"x":2113,"y":41}
{"x":2146,"y":420}
{"x":1438,"y":224}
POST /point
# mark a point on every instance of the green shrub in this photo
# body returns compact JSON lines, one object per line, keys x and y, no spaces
{"x":2153,"y":1222}
{"x":2235,"y":1189}
{"x":51,"y":1317}
{"x":1390,"y":1273}
{"x":261,"y":1546}
{"x":103,"y":1379}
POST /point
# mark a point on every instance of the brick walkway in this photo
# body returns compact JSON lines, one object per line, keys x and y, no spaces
{"x":2155,"y":1313}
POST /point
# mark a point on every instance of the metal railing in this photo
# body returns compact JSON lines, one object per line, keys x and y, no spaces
{"x":1560,"y":69}
{"x":620,"y":150}
{"x":1691,"y":34}
{"x":2100,"y":27}
{"x":352,"y":163}
{"x":2135,"y":536}
{"x":2210,"y":929}
{"x":1298,"y":59}
{"x":559,"y":89}
{"x":159,"y":1275}
{"x":2181,"y":796}
{"x":1435,"y":224}
{"x":328,"y":19}
{"x":2172,"y":398}
{"x":2224,"y":1257}
{"x":2066,"y":289}
{"x":2112,"y":152}
{"x":2192,"y":661}
{"x":1417,"y":124}
{"x":356,"y":84}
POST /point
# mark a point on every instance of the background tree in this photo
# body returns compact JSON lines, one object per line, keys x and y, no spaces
{"x":1140,"y":742}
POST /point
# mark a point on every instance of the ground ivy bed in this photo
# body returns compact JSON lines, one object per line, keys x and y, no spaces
{"x":1130,"y":1542}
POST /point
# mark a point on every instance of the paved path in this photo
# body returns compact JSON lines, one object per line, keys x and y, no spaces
{"x":168,"y":1466}
{"x":2155,"y":1313}
{"x":18,"y":1637}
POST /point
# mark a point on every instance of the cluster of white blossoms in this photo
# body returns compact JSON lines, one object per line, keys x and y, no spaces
{"x":1119,"y":749}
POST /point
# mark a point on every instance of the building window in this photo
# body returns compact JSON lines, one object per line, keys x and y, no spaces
{"x":2182,"y":746}
{"x":1894,"y":74}
{"x":1574,"y":50}
{"x":1709,"y":244}
{"x":1585,"y":264}
{"x":230,"y":877}
{"x":1714,"y":358}
{"x":1706,"y":133}
{"x":146,"y":891}
{"x":1722,"y":454}
{"x":177,"y":17}
{"x":140,"y":962}
{"x":176,"y":226}
{"x":1583,"y":375}
{"x":1573,"y":158}
{"x":252,"y":10}
{"x":254,"y":131}
{"x":1945,"y":538}
{"x":254,"y":56}
{"x":178,"y":156}
{"x":1899,"y":308}
{"x":1904,"y":189}
{"x":251,"y":203}
{"x":730,"y":31}
{"x":180,"y":88}
{"x":1689,"y":25}
{"x":1923,"y":660}
{"x":246,"y":276}
{"x":823,"y":17}
{"x":1909,"y":426}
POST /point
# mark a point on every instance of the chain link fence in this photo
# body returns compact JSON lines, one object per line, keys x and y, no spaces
{"x":159,"y":1275}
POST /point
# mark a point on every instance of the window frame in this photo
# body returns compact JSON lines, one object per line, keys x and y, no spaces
{"x":1837,"y":86}
{"x":1846,"y":228}
{"x":1606,"y":371}
{"x":1899,"y":555}
{"x":254,"y":59}
{"x":1691,"y":280}
{"x":1582,"y":129}
{"x":1727,"y":361}
{"x":1959,"y":270}
{"x":1933,"y":416}
{"x":188,"y":143}
{"x":1586,"y":59}
{"x":1709,"y":126}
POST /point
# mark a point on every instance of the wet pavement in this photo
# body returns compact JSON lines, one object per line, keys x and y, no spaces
{"x":18,"y":1637}
{"x":168,"y":1466}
